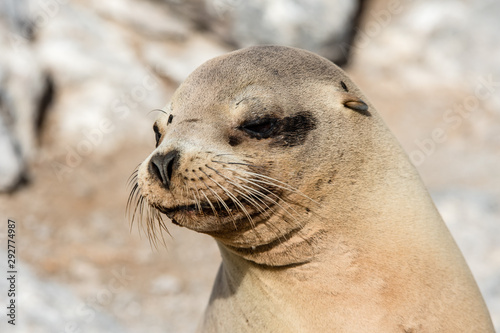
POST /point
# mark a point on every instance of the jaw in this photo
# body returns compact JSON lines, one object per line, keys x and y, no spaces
{"x":212,"y":222}
{"x":272,"y":237}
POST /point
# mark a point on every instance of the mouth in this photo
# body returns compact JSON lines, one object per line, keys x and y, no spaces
{"x":221,"y":209}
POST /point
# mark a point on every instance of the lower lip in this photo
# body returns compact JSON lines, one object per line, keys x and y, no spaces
{"x":190,"y":211}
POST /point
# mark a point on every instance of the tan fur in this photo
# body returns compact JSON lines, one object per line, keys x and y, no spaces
{"x":348,"y":240}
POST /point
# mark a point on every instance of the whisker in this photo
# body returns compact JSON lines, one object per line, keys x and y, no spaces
{"x":158,"y":110}
{"x":237,"y":202}
{"x":131,"y":197}
{"x":270,"y":181}
{"x":231,"y":196}
{"x":133,"y":177}
{"x":137,"y":208}
{"x":258,"y":195}
{"x":250,"y":198}
{"x":149,"y":217}
{"x":238,"y":163}
{"x":275,"y":229}
{"x":230,"y":154}
{"x":141,"y":207}
{"x":155,"y":220}
{"x":128,"y":212}
{"x":197,"y":202}
{"x":219,"y":199}
{"x":272,"y":200}
{"x":210,"y":203}
{"x":245,"y":196}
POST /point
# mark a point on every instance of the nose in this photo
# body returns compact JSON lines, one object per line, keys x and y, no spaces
{"x":162,"y":166}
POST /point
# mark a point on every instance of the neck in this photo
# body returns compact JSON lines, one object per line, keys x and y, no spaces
{"x":285,"y":239}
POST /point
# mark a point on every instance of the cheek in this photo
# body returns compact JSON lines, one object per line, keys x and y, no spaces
{"x":291,"y":165}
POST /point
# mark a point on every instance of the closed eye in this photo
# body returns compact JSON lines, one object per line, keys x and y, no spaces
{"x":260,"y":128}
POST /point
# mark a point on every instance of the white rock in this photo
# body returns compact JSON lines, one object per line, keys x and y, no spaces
{"x":46,"y":307}
{"x":22,"y":88}
{"x":166,"y":284}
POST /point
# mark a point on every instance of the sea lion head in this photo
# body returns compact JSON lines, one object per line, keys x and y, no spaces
{"x":249,"y":146}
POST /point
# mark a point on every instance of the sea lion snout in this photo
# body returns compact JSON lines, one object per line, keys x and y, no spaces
{"x":162,"y":166}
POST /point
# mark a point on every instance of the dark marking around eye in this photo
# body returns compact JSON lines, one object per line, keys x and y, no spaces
{"x":234,"y":140}
{"x":293,"y":130}
{"x":170,"y":117}
{"x":261,"y":128}
{"x":344,"y":86}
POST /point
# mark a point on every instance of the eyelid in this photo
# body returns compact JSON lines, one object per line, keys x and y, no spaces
{"x":258,"y":121}
{"x":251,"y":127}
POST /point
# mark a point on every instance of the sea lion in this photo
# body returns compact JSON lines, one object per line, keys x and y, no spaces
{"x":322,"y":222}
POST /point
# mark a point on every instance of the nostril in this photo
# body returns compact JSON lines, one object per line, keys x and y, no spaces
{"x":155,"y":170}
{"x":162,"y":166}
{"x":170,"y":168}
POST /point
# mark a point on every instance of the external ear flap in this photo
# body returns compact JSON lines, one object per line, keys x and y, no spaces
{"x":358,"y":105}
{"x":354,"y":103}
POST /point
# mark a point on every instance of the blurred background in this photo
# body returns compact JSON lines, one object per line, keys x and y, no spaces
{"x":78,"y":79}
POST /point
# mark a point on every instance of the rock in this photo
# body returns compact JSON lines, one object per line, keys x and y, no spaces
{"x":107,"y":82}
{"x":47,"y":307}
{"x":432,"y":67}
{"x":147,"y":18}
{"x":11,"y":164}
{"x":320,"y":26}
{"x":99,"y":68}
{"x":24,"y":95}
{"x":166,"y":284}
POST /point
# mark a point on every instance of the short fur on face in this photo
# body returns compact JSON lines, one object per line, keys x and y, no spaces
{"x":217,"y":120}
{"x":317,"y":210}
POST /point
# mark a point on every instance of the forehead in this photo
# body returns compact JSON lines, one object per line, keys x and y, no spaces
{"x":233,"y":103}
{"x":279,"y":67}
{"x":265,"y":75}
